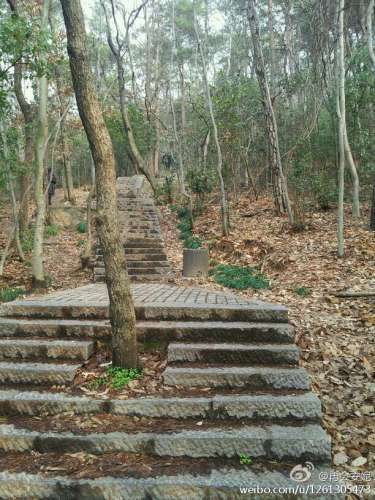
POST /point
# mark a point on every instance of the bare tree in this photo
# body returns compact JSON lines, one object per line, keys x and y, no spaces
{"x":40,"y":153}
{"x":28,"y":116}
{"x":281,"y":195}
{"x":219,"y":166}
{"x":121,"y":307}
{"x":340,"y":108}
{"x":117,"y":47}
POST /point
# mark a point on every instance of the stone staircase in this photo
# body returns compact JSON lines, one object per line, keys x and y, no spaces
{"x":140,"y":233}
{"x":233,"y":387}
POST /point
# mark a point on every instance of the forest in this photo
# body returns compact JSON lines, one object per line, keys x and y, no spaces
{"x":246,"y":129}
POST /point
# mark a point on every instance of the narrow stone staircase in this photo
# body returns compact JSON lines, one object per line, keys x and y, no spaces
{"x":140,"y":233}
{"x":233,"y":388}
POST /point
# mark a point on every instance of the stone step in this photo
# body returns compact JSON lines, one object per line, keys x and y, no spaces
{"x":133,"y":264}
{"x":234,"y":354}
{"x":49,"y":349}
{"x":228,"y":483}
{"x":100,"y":271}
{"x":266,"y":407}
{"x":144,"y":278}
{"x":217,"y":331}
{"x":164,"y":331}
{"x":235,"y":377}
{"x":145,"y":251}
{"x":37,"y":373}
{"x":139,"y":257}
{"x":273,"y":442}
{"x":71,"y":328}
{"x":153,"y":243}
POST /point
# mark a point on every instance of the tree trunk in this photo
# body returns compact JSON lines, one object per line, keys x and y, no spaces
{"x":137,"y":159}
{"x":219,"y":166}
{"x":280,"y":187}
{"x":41,"y":140}
{"x":370,"y":44}
{"x":121,"y":307}
{"x":28,"y":116}
{"x":372,"y":213}
{"x":340,"y":107}
{"x":67,"y":166}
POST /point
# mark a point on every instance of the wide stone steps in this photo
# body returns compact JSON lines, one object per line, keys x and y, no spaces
{"x":199,"y":331}
{"x":48,"y":349}
{"x":135,"y":264}
{"x":37,"y":373}
{"x":100,"y":271}
{"x":257,"y":312}
{"x":265,"y":407}
{"x":258,"y":378}
{"x":227,"y":483}
{"x":269,"y":442}
{"x":236,"y":354}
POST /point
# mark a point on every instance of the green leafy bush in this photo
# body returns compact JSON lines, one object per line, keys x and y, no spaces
{"x":9,"y":294}
{"x":192,"y":242}
{"x":51,"y":230}
{"x":81,"y":227}
{"x":27,"y":240}
{"x":116,"y":378}
{"x":239,"y":278}
{"x":302,"y":291}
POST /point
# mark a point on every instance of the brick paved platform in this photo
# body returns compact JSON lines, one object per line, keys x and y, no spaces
{"x":152,"y":300}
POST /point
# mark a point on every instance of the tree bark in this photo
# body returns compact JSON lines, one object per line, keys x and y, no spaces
{"x":121,"y":307}
{"x":280,"y":187}
{"x":219,"y":166}
{"x":340,"y":108}
{"x":138,"y":161}
{"x":372,"y":212}
{"x":38,"y":278}
{"x":370,"y":44}
{"x":28,"y":116}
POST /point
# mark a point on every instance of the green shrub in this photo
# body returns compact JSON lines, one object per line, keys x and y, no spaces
{"x":9,"y":294}
{"x":27,"y":240}
{"x":81,"y":227}
{"x":192,"y":242}
{"x":116,"y":378}
{"x":239,"y":277}
{"x":244,"y":459}
{"x":302,"y":291}
{"x":51,"y":230}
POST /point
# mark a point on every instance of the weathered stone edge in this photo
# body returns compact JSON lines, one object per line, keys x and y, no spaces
{"x":219,"y":484}
{"x":274,"y":442}
{"x":267,"y":407}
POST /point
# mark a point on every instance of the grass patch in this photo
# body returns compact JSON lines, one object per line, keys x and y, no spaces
{"x":244,"y":459}
{"x":185,"y":228}
{"x":51,"y":230}
{"x":9,"y":294}
{"x":302,"y":291}
{"x":239,"y":278}
{"x":116,"y":378}
{"x":81,"y":227}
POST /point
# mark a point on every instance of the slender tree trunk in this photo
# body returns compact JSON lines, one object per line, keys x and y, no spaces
{"x":281,"y":195}
{"x":372,"y":212}
{"x":370,"y":43}
{"x":28,"y":116}
{"x":138,"y":161}
{"x":121,"y":307}
{"x":40,"y":153}
{"x":219,"y":166}
{"x":10,"y":185}
{"x":67,"y":166}
{"x":340,"y":107}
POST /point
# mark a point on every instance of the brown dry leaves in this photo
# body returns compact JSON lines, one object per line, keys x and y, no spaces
{"x":336,"y":336}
